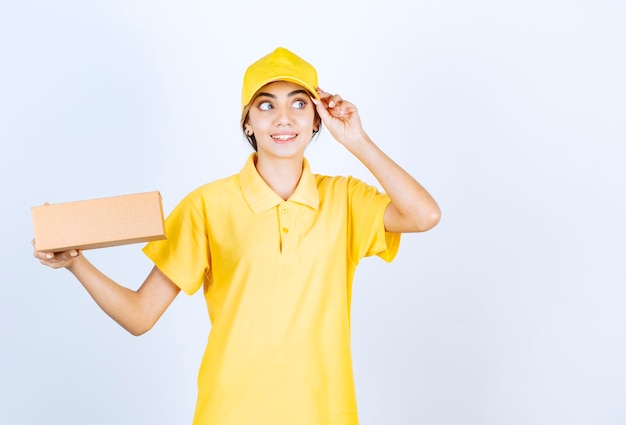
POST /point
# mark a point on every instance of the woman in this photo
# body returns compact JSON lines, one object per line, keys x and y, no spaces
{"x":275,"y":249}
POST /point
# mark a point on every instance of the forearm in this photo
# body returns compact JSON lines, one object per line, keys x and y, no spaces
{"x":120,"y":303}
{"x":412,"y":208}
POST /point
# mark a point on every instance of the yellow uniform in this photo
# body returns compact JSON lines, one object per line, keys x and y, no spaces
{"x":277,"y":279}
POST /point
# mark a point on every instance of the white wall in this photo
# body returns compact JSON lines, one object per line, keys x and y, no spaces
{"x":512,"y":114}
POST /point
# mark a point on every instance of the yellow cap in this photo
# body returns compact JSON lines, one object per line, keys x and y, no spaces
{"x":280,"y":65}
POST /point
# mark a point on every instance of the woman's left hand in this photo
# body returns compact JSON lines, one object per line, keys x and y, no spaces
{"x":340,"y":117}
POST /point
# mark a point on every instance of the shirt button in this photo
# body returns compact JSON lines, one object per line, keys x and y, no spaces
{"x":285,"y":230}
{"x":285,"y":209}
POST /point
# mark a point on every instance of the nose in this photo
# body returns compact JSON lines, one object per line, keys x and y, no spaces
{"x":283,"y":116}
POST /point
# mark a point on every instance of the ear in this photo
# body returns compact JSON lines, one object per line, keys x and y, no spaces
{"x":248,"y":129}
{"x":317,"y":123}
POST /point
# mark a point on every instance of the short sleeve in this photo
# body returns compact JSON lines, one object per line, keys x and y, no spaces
{"x":184,"y":256}
{"x":367,"y":226}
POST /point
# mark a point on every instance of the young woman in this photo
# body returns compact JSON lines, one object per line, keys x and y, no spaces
{"x":275,"y":249}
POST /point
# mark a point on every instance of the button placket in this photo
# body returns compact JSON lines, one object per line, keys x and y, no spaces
{"x":287,"y":236}
{"x":283,"y":225}
{"x":287,"y":216}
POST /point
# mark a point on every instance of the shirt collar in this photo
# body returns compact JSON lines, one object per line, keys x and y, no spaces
{"x":261,"y":197}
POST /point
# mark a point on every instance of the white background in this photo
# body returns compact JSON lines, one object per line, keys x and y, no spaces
{"x":513,"y":114}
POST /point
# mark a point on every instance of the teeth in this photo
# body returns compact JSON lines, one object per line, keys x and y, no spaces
{"x":283,"y":137}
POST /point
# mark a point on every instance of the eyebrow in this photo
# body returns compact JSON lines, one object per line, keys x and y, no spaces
{"x":291,"y":93}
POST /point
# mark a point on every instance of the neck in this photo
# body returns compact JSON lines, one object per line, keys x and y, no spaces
{"x":281,"y":174}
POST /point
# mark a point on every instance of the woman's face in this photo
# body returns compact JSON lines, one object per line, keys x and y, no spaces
{"x":281,"y":118}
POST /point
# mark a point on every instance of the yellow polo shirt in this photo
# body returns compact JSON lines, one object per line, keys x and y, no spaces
{"x":277,"y":279}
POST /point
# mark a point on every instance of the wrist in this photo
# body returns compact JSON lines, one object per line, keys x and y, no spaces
{"x":75,"y":262}
{"x":358,"y":142}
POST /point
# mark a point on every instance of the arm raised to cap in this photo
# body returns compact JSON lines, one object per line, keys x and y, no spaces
{"x":412,"y":208}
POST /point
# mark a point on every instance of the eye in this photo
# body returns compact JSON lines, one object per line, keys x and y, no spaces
{"x":299,"y":104}
{"x":265,"y":106}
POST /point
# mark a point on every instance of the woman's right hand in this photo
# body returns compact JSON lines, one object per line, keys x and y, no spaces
{"x":56,"y":260}
{"x":135,"y":310}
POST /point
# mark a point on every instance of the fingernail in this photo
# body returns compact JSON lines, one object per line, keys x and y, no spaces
{"x":49,"y":256}
{"x":73,"y":254}
{"x":331,"y":103}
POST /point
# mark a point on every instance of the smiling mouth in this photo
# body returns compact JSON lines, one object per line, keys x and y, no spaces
{"x":284,"y":138}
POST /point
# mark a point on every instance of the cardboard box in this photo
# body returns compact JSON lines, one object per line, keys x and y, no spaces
{"x":99,"y":223}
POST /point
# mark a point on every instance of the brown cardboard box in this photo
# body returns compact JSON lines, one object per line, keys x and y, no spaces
{"x":99,"y":223}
